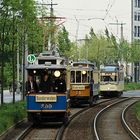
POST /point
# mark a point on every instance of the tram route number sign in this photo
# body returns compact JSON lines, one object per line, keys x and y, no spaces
{"x":31,"y":58}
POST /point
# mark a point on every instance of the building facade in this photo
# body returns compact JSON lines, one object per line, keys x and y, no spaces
{"x":135,"y":34}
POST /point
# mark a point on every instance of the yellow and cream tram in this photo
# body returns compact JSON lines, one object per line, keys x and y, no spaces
{"x":84,"y":83}
{"x":112,"y":80}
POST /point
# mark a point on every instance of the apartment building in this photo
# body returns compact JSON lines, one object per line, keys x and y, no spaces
{"x":135,"y":34}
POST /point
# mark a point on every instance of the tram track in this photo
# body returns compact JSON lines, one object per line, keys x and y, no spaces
{"x":50,"y":132}
{"x":40,"y":132}
{"x":125,"y":124}
{"x":80,"y":125}
{"x":110,"y":124}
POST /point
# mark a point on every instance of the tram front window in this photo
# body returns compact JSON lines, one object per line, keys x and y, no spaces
{"x":78,"y":76}
{"x":108,"y":78}
{"x":84,"y":77}
{"x":60,"y":84}
{"x":72,"y":76}
{"x":51,"y":80}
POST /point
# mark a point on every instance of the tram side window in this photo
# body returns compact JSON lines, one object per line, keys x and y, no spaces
{"x":72,"y":76}
{"x":121,"y":77}
{"x":78,"y":76}
{"x":90,"y":76}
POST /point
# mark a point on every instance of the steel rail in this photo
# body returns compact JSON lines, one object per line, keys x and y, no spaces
{"x":128,"y":129}
{"x":62,"y":129}
{"x":25,"y":133}
{"x":103,"y":110}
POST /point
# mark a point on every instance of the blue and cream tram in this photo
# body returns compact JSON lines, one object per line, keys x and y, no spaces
{"x":112,"y":80}
{"x":49,"y":102}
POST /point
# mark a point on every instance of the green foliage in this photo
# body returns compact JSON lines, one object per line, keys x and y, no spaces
{"x":11,"y":114}
{"x":131,"y":86}
{"x":99,"y":48}
{"x":105,"y":49}
{"x":19,"y":26}
{"x":135,"y":51}
{"x":137,"y":110}
{"x":64,"y":43}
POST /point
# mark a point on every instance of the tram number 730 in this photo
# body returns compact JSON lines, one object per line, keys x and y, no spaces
{"x":46,"y":106}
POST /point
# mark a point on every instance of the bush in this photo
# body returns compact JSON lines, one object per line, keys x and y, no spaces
{"x":11,"y":114}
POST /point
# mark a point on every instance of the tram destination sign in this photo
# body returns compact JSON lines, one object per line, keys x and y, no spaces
{"x":46,"y":98}
{"x":31,"y":58}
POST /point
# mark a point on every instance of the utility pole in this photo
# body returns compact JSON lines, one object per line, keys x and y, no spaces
{"x":77,"y":30}
{"x":121,"y":24}
{"x":51,"y":35}
{"x":117,"y":24}
{"x":51,"y":18}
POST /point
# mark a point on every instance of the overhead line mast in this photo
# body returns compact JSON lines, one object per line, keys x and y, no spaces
{"x":51,"y":18}
{"x":117,"y":28}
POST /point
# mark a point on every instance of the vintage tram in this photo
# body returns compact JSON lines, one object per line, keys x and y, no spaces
{"x":84,"y":83}
{"x":49,"y":103}
{"x":112,"y":80}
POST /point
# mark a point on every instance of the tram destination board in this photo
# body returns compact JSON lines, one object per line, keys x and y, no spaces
{"x":46,"y":98}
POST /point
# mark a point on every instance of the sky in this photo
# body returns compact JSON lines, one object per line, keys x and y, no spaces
{"x":81,"y":15}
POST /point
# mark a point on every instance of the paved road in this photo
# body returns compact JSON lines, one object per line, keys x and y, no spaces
{"x":9,"y":97}
{"x":134,"y":93}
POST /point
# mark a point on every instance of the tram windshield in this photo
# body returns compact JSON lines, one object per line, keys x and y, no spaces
{"x":48,"y":80}
{"x":108,"y":78}
{"x":80,"y":76}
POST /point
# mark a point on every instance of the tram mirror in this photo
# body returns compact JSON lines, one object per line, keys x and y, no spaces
{"x":57,"y":73}
{"x":83,"y":72}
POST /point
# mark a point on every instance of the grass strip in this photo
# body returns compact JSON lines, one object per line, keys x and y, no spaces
{"x":11,"y":113}
{"x":137,"y":110}
{"x":131,"y":86}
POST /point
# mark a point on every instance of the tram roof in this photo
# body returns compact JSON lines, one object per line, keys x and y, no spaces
{"x":52,"y":66}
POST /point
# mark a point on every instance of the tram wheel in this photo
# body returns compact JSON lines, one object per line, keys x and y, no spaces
{"x":66,"y":118}
{"x":95,"y":99}
{"x":119,"y":94}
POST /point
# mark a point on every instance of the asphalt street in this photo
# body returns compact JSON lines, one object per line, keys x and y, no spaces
{"x":9,"y":97}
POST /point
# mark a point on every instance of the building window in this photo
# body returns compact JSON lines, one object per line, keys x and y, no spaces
{"x":138,"y":31}
{"x":138,"y":17}
{"x":135,"y":31}
{"x":135,"y":16}
{"x":136,"y":3}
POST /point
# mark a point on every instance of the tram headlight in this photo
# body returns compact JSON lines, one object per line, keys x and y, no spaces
{"x":34,"y":71}
{"x":84,"y":72}
{"x":57,"y":73}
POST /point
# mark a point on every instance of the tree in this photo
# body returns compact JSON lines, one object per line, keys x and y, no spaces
{"x":64,"y":43}
{"x":16,"y":20}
